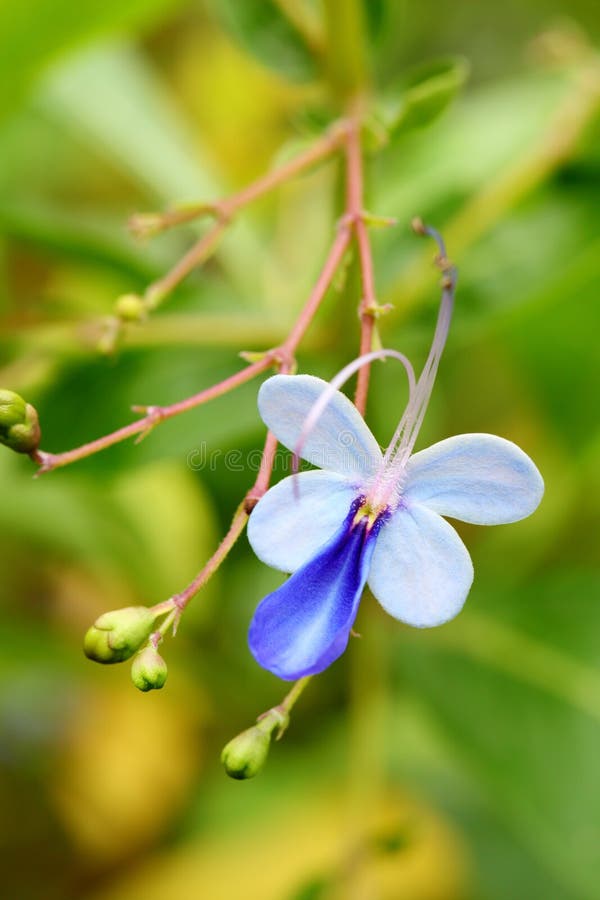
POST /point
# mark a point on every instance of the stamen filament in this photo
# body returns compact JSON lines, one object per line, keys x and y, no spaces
{"x":389,"y":478}
{"x":336,"y":383}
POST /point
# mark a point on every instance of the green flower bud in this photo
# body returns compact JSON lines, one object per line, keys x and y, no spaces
{"x":245,"y":755}
{"x":130,"y":308}
{"x":19,"y":425}
{"x":116,"y":635}
{"x":149,"y":670}
{"x":12,"y":409}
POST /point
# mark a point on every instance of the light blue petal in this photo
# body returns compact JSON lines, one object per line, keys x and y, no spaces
{"x":304,"y":626}
{"x":288,"y":526}
{"x":477,"y":478}
{"x":340,"y":441}
{"x":421,"y":571}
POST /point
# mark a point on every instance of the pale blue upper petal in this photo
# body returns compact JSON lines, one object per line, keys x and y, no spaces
{"x":340,"y":440}
{"x":297,"y":516}
{"x":478,"y":478}
{"x":421,"y":571}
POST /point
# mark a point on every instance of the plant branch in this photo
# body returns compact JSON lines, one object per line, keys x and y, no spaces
{"x":281,"y":356}
{"x":238,"y":523}
{"x":338,"y":249}
{"x":285,"y":364}
{"x":368,"y":303}
{"x":353,"y":224}
{"x":226,"y":209}
{"x":155,"y":415}
{"x":156,"y":292}
{"x":354,"y":221}
{"x":292,"y":696}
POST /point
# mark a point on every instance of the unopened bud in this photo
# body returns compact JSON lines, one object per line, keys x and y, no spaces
{"x":149,"y":670}
{"x":116,"y":635}
{"x":245,"y":755}
{"x":130,"y":308}
{"x":12,"y":409}
{"x":19,"y":425}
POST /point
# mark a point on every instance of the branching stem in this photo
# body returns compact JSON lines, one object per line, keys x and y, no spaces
{"x":352,"y":226}
{"x":225,"y":210}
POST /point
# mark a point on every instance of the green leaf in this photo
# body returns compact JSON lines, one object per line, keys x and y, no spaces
{"x":34,"y":32}
{"x":265,"y":32}
{"x":422,"y":95}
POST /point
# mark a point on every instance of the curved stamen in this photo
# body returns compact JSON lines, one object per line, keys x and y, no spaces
{"x":405,"y":436}
{"x":336,"y":383}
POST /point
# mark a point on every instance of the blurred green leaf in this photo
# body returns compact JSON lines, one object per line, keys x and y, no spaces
{"x":264,"y":31}
{"x":376,"y":14}
{"x":81,"y":235}
{"x":461,"y":152}
{"x":422,"y":95}
{"x":110,"y":525}
{"x":134,"y":122}
{"x":166,"y":507}
{"x":34,"y":32}
{"x":78,"y":412}
{"x":511,"y":700}
{"x":37,"y":688}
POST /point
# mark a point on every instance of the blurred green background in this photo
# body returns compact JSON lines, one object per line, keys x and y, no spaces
{"x":455,"y":764}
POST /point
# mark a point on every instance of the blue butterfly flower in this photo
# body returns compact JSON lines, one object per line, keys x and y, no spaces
{"x":370,"y":518}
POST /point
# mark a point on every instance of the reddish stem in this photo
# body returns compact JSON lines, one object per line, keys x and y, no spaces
{"x":260,"y":486}
{"x":180,"y":601}
{"x":368,"y":303}
{"x":226,"y":209}
{"x":263,"y":478}
{"x":195,"y":256}
{"x":49,"y":461}
{"x":352,"y":223}
{"x":318,"y":151}
{"x":339,"y":247}
{"x":281,"y":356}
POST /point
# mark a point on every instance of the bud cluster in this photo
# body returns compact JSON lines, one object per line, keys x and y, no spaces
{"x":119,"y":634}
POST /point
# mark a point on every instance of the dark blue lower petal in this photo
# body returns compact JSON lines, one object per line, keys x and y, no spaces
{"x":304,"y":626}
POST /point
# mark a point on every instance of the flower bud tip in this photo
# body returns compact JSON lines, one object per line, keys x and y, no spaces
{"x":245,"y":755}
{"x":149,"y":670}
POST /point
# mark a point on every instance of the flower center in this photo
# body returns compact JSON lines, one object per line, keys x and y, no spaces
{"x":369,"y":514}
